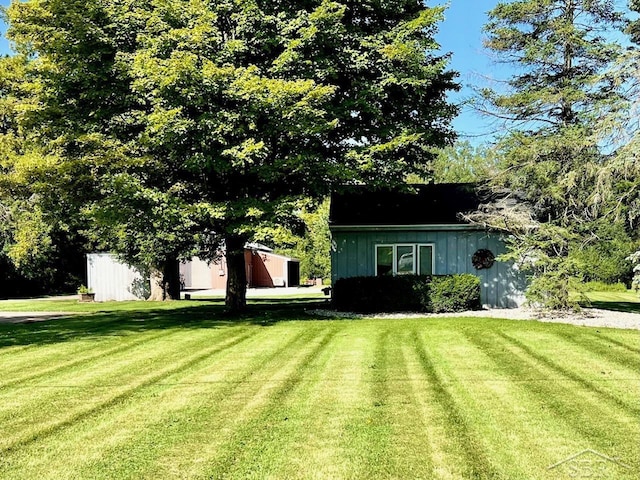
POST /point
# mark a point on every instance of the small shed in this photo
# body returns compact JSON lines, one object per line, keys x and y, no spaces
{"x":396,"y":233}
{"x":111,"y":279}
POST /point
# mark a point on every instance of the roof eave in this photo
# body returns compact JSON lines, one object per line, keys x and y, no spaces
{"x":419,"y":228}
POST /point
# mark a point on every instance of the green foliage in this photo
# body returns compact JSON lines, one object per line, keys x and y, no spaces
{"x":543,"y":254}
{"x":553,"y":159}
{"x":601,"y":254}
{"x":465,"y":163}
{"x":634,"y":27}
{"x":417,"y":293}
{"x":313,"y":247}
{"x":454,"y":293}
{"x":379,"y":294}
{"x":229,"y":112}
{"x":618,"y":130}
{"x":598,"y":286}
{"x":635,"y":259}
{"x":461,"y":163}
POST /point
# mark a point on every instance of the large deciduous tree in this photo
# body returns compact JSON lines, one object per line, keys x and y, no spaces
{"x":230,"y":111}
{"x":39,"y":242}
{"x":560,"y":51}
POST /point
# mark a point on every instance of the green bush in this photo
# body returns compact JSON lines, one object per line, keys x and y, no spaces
{"x":377,"y":294}
{"x":604,"y":287}
{"x":414,"y":293}
{"x":455,"y":293}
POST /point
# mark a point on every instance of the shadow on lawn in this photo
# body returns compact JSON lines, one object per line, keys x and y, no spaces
{"x":630,"y":307}
{"x":194,"y":314}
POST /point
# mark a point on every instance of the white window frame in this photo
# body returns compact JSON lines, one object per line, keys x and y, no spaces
{"x":396,"y":259}
{"x":415,"y":251}
{"x":393,"y":257}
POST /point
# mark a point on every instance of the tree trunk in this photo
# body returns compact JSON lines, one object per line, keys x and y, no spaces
{"x":165,"y":281}
{"x":236,"y":298}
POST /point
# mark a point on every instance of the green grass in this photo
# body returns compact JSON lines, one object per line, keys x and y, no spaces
{"x":628,"y":301}
{"x":181,"y":391}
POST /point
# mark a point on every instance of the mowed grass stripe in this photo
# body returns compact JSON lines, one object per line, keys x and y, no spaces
{"x":239,"y":456}
{"x":59,"y":361}
{"x":458,"y":427}
{"x":438,"y":451}
{"x":473,"y":383}
{"x":115,"y":369}
{"x":111,"y":399}
{"x":413,"y":428}
{"x":26,"y":408}
{"x":323,"y":399}
{"x":323,"y":446}
{"x":366,"y":440}
{"x":23,"y":410}
{"x":9,"y":351}
{"x":516,"y":430}
{"x":589,"y":386}
{"x":605,"y":347}
{"x":623,"y":338}
{"x":558,"y":396}
{"x":608,"y":337}
{"x":170,"y":427}
{"x":263,"y":446}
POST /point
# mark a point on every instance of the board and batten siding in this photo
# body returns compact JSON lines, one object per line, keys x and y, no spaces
{"x":111,"y":279}
{"x":502,"y":285}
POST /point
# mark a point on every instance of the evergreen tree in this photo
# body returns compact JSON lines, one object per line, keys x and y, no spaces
{"x":560,"y":50}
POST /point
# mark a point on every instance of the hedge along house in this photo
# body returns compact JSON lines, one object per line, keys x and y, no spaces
{"x":396,"y":233}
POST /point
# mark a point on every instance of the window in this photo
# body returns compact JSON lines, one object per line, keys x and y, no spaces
{"x":384,"y":260}
{"x":404,"y":259}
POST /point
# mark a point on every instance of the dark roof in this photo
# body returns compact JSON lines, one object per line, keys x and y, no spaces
{"x":435,"y":204}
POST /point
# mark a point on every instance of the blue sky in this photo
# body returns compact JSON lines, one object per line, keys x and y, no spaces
{"x":461,"y":34}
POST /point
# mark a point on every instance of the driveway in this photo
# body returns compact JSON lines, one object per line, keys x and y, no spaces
{"x":30,"y":317}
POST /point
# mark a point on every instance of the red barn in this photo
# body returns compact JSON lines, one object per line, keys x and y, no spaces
{"x":264,"y":269}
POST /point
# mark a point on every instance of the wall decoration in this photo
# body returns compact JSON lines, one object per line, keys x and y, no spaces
{"x":483,"y":258}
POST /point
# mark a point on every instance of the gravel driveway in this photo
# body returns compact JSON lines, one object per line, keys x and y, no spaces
{"x":588,"y":317}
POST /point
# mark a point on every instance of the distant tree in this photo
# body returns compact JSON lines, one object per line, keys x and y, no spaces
{"x":214,"y":118}
{"x":603,"y":251}
{"x":465,"y":163}
{"x":313,"y":247}
{"x":561,"y":50}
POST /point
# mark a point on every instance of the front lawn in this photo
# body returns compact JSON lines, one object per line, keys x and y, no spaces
{"x":183,"y":392}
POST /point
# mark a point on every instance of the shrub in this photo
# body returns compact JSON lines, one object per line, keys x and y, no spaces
{"x":417,"y":293}
{"x":376,"y":294}
{"x":455,"y":293}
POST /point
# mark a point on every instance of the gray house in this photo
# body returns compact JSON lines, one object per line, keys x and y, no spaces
{"x":394,"y":233}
